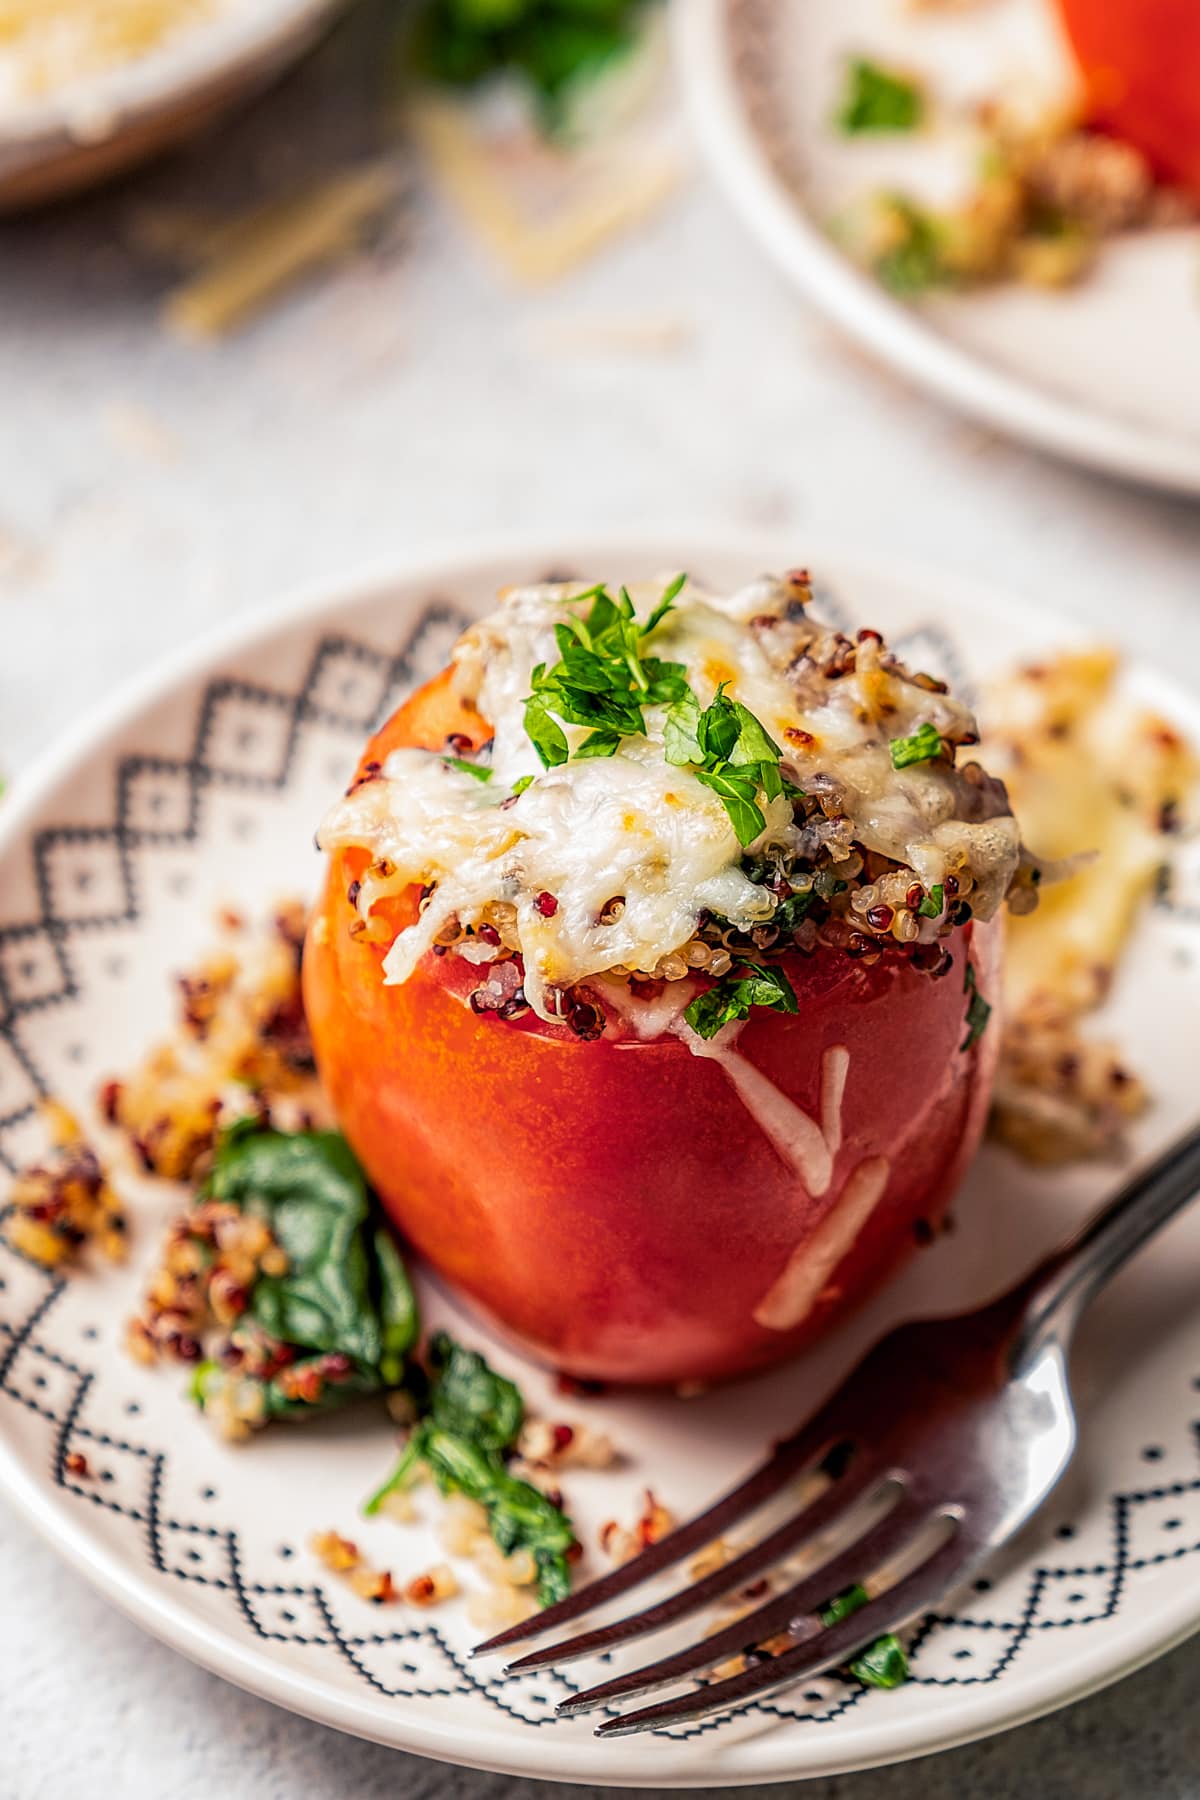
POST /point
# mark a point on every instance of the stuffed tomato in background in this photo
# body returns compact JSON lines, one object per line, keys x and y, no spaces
{"x":651,"y":979}
{"x":1140,"y":62}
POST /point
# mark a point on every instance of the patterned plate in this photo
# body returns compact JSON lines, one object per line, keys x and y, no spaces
{"x":202,"y":786}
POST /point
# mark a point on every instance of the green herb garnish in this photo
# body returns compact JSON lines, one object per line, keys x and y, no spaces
{"x":883,"y":1664}
{"x":603,"y":679}
{"x":730,"y":752}
{"x":924,"y":744}
{"x":552,"y":45}
{"x":522,"y":782}
{"x":480,"y":771}
{"x":736,"y":994}
{"x":979,"y":1010}
{"x":913,"y":262}
{"x":933,"y":904}
{"x":344,"y":1292}
{"x":473,"y":1419}
{"x":878,"y":99}
{"x":793,"y":911}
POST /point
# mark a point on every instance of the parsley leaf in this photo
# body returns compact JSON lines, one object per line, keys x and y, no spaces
{"x":599,"y":743}
{"x":882,"y":1664}
{"x":545,"y":733}
{"x":670,"y":594}
{"x":479,"y":770}
{"x":924,"y":744}
{"x":878,"y":99}
{"x":737,"y":792}
{"x":681,"y":732}
{"x":731,"y":752}
{"x":519,"y":786}
{"x":735,"y":994}
{"x":934,"y":902}
{"x":979,"y":1010}
{"x":754,"y":742}
{"x":552,"y":45}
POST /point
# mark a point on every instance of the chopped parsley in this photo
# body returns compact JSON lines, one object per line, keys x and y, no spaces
{"x":883,"y":1664}
{"x":924,"y":744}
{"x":731,"y":753}
{"x":933,"y":905}
{"x":912,"y":261}
{"x":878,"y":99}
{"x":979,"y":1010}
{"x":480,"y":771}
{"x":550,"y":45}
{"x":736,"y":994}
{"x":794,"y":910}
{"x":603,"y":679}
{"x":519,"y":786}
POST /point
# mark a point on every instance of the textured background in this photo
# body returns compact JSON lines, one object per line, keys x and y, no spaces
{"x":148,"y":489}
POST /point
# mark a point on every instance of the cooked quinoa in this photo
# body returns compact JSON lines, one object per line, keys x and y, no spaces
{"x":242,"y":1044}
{"x":63,"y":1202}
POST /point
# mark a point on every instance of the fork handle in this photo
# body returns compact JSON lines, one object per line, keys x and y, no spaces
{"x":1057,"y":1292}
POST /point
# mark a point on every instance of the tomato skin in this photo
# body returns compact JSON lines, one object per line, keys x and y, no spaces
{"x":613,"y":1206}
{"x":1140,"y":60}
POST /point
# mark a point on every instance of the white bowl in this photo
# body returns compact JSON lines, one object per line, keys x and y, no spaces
{"x":56,"y":144}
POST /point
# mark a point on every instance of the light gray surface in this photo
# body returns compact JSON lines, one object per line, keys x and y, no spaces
{"x":148,"y":489}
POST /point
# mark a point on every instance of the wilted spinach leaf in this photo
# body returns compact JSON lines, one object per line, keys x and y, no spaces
{"x":473,"y":1418}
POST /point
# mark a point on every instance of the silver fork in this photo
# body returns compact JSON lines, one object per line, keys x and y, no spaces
{"x":955,"y":1429}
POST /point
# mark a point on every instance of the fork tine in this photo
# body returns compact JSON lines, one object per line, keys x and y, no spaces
{"x":802,"y":1601}
{"x":809,"y":1522}
{"x":831,"y":1646}
{"x":805,"y":1447}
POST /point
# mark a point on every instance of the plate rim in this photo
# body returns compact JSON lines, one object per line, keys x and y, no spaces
{"x":878,"y":1744}
{"x":896,"y":333}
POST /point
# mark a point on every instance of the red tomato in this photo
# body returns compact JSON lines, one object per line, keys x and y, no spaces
{"x":1141,"y":62}
{"x":617,"y":1207}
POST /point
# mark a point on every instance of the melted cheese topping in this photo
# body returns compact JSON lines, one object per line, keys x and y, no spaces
{"x":1090,"y":775}
{"x":636,"y":828}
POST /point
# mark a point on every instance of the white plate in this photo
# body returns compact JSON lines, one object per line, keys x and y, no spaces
{"x":202,"y":785}
{"x":1100,"y":374}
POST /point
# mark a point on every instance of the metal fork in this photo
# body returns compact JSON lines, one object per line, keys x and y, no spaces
{"x":954,"y":1429}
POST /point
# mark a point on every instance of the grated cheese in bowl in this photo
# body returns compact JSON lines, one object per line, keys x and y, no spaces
{"x":48,"y":46}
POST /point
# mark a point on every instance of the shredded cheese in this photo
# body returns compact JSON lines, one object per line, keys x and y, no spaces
{"x":50,"y":45}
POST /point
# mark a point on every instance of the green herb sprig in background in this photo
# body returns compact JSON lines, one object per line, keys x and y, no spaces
{"x":553,"y":46}
{"x":882,"y":1664}
{"x":878,"y":99}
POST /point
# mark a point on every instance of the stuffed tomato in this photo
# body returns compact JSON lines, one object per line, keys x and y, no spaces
{"x":1140,"y":60}
{"x":653,"y":970}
